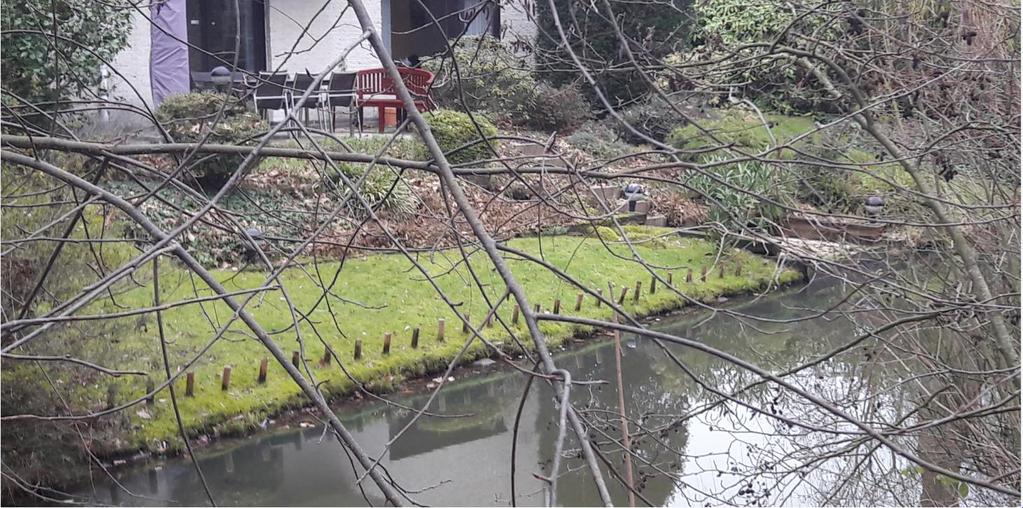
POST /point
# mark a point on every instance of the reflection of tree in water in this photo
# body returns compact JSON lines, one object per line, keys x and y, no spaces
{"x":760,"y":459}
{"x":241,"y":475}
{"x":484,"y":400}
{"x":647,"y":402}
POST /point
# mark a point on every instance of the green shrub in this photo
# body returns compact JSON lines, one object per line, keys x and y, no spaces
{"x":453,"y":130}
{"x":189,"y":118}
{"x":382,"y":188}
{"x":492,"y":79}
{"x":845,"y":190}
{"x":647,"y":236}
{"x":732,"y":192}
{"x":560,"y":109}
{"x":651,"y":117}
{"x":604,"y":233}
{"x":405,"y":147}
{"x":597,"y":141}
{"x":743,"y":128}
{"x":832,"y":190}
{"x":726,"y":28}
{"x":90,"y":32}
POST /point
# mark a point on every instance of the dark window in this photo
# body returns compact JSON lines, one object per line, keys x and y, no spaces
{"x":212,"y":27}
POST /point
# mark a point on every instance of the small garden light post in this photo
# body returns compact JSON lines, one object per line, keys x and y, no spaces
{"x":872,"y":206}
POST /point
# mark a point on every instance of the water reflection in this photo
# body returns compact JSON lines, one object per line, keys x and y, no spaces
{"x":695,"y":453}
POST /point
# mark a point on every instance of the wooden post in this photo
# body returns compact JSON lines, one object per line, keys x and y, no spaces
{"x":262,"y":370}
{"x":190,"y":384}
{"x":295,"y":359}
{"x":415,"y":338}
{"x":621,"y":297}
{"x":689,"y":275}
{"x":536,"y":308}
{"x":465,"y":325}
{"x":387,"y":343}
{"x":515,"y":314}
{"x":639,"y":289}
{"x":358,"y":349}
{"x":150,"y":386}
{"x":225,"y":378}
{"x":669,"y":279}
{"x":490,"y":320}
{"x":440,"y":330}
{"x":721,"y":271}
{"x":557,"y":306}
{"x":600,"y":294}
{"x":703,"y":274}
{"x":578,"y":302}
{"x":653,"y":284}
{"x":326,"y":356}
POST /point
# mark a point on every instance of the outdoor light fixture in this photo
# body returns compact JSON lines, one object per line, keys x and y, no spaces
{"x":634,"y":192}
{"x":873,"y":205}
{"x":252,"y":249}
{"x":221,"y":77}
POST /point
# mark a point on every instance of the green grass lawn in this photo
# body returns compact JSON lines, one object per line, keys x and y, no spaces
{"x":375,"y":295}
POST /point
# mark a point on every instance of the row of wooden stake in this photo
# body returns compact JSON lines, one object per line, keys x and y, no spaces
{"x":225,"y":378}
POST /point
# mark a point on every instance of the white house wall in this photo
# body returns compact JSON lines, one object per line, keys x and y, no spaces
{"x":133,"y":64}
{"x":288,"y":18}
{"x":517,"y":21}
{"x":285,"y":19}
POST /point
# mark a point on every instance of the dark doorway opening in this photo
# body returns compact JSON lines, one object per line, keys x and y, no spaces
{"x":414,"y":33}
{"x":212,"y":27}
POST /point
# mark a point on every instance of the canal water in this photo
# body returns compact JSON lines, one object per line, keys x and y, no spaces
{"x":697,"y":452}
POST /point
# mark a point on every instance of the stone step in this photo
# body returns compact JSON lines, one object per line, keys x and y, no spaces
{"x":660,"y":221}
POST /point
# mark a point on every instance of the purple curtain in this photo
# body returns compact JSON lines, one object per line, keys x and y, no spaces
{"x":168,"y":54}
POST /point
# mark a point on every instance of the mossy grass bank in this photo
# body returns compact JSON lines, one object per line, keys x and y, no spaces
{"x":376,"y":295}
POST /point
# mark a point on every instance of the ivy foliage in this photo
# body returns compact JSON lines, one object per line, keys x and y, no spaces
{"x":40,"y":66}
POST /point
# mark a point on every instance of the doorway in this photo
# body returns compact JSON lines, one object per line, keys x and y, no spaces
{"x":212,"y":26}
{"x":413,"y":32}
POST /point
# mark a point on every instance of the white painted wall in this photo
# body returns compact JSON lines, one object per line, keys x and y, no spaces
{"x":133,"y":64}
{"x":328,"y":35}
{"x":517,"y":21}
{"x":286,"y":21}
